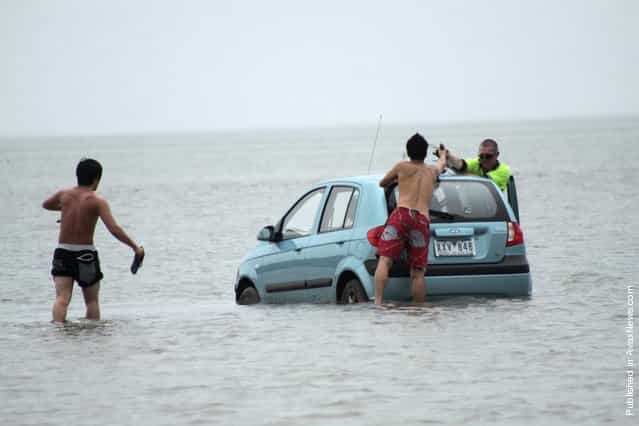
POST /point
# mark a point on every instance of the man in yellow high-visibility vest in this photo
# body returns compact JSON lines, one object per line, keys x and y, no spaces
{"x":486,"y":164}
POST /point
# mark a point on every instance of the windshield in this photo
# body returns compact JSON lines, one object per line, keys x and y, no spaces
{"x":462,"y":201}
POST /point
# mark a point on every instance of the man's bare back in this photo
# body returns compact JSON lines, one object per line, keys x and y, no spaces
{"x":79,"y":208}
{"x":416,"y":182}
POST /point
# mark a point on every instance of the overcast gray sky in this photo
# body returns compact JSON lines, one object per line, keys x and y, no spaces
{"x":86,"y":66}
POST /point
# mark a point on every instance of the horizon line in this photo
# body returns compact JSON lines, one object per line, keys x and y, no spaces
{"x":258,"y":129}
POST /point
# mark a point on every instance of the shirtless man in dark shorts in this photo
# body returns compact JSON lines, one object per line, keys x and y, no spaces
{"x":409,"y":223}
{"x":76,"y":258}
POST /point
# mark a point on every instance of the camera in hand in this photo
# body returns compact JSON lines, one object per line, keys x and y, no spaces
{"x":436,"y":150}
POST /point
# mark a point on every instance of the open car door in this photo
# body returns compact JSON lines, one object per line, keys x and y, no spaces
{"x":511,"y":191}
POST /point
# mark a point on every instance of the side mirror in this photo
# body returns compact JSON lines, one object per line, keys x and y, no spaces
{"x":266,"y":234}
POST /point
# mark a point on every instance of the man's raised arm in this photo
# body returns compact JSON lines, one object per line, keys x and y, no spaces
{"x":53,"y":202}
{"x":441,"y":162}
{"x":390,"y":177}
{"x":455,"y":162}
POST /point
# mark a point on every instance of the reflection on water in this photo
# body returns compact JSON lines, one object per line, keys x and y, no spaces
{"x":85,"y":327}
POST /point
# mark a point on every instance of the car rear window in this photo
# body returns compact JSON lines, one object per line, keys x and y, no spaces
{"x":468,"y":201}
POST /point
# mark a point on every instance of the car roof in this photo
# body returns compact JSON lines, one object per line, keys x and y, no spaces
{"x":363,"y":180}
{"x":366,"y":180}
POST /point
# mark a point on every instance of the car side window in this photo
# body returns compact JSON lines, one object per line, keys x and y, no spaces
{"x":339,"y":212}
{"x":300,"y":219}
{"x":352,"y":209}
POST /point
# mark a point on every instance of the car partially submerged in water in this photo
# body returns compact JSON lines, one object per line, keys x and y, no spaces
{"x":319,"y":252}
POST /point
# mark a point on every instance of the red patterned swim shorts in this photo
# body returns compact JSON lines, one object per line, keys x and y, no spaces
{"x":406,"y":227}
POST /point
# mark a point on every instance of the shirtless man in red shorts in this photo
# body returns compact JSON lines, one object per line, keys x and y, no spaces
{"x":409,"y":223}
{"x":76,"y":258}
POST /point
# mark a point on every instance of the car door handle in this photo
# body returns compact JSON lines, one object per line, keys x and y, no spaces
{"x":298,"y":249}
{"x":340,"y":243}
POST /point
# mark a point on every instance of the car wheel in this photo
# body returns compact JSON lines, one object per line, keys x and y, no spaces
{"x":249,"y":296}
{"x":353,"y":293}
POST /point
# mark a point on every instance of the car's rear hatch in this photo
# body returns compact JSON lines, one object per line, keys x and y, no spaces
{"x":471,"y":229}
{"x":468,"y":223}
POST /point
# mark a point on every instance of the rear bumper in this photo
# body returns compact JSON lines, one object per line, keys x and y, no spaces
{"x":509,"y":278}
{"x":509,"y":265}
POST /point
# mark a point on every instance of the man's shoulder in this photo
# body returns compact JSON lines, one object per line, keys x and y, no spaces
{"x":503,"y":166}
{"x":502,"y":170}
{"x":67,"y":193}
{"x":96,"y":198}
{"x":67,"y":190}
{"x":92,"y":197}
{"x":404,"y":167}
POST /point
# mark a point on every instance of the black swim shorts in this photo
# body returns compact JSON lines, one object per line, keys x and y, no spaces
{"x":83,"y":266}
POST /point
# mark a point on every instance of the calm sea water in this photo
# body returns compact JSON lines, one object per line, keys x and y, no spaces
{"x":174,"y":348}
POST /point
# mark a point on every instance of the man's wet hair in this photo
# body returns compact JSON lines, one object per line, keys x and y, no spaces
{"x":417,"y":147}
{"x":88,"y":171}
{"x":491,"y":143}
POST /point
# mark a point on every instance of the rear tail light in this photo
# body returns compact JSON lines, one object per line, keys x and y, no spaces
{"x":515,"y":234}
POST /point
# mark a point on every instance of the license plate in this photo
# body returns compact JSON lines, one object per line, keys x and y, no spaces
{"x":464,"y":247}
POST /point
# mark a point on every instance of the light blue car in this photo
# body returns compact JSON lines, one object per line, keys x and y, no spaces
{"x":319,"y":252}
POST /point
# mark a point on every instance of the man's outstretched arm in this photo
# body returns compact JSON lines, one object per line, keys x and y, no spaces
{"x":441,"y":162}
{"x":113,"y":227}
{"x":455,"y":162}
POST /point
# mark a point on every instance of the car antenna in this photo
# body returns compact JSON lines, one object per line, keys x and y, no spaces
{"x":370,"y":162}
